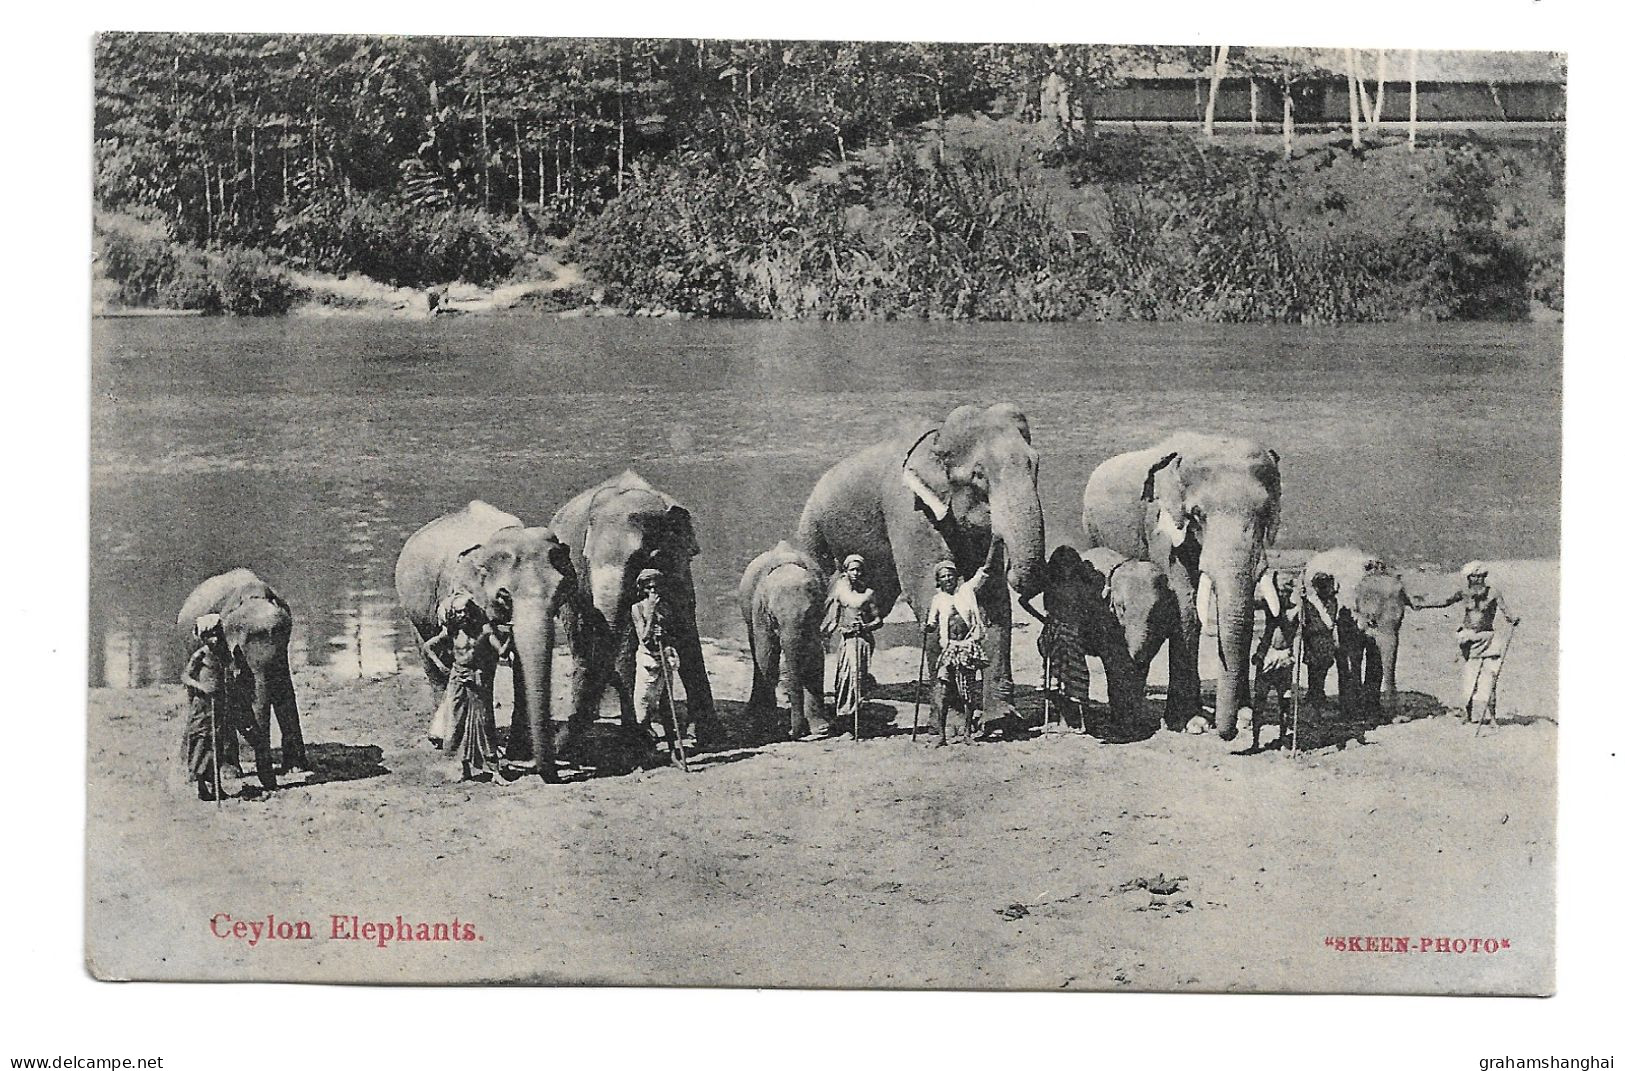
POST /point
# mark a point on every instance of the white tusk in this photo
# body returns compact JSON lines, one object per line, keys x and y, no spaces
{"x":938,"y":508}
{"x":1168,"y":527}
{"x":1267,"y":591}
{"x":1204,"y":601}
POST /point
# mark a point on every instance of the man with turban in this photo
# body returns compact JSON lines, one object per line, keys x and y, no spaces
{"x":955,"y":620}
{"x":850,"y":619}
{"x":1481,"y":645}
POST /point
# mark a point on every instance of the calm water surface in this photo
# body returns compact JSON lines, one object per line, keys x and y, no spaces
{"x":309,"y":449}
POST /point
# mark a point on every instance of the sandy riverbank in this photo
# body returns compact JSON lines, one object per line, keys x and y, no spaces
{"x":882,"y":863}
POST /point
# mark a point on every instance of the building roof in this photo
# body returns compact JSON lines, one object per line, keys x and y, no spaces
{"x":1432,"y":65}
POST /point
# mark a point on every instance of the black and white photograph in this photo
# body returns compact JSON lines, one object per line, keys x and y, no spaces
{"x":833,"y":511}
{"x":824,"y":513}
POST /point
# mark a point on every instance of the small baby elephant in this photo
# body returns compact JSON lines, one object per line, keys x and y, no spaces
{"x":781,"y":597}
{"x":1120,"y":611}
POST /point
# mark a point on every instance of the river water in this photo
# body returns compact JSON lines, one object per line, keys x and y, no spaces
{"x":310,"y":449}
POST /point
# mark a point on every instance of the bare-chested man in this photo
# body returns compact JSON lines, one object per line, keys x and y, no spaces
{"x":1481,"y":645}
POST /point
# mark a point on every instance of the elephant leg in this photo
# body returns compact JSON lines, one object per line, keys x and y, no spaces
{"x":998,"y":689}
{"x":1317,"y":681}
{"x":811,"y":684}
{"x":1184,"y":680}
{"x":226,"y":747}
{"x":624,"y":681}
{"x":286,"y":706}
{"x":701,"y":711}
{"x":587,"y":682}
{"x":1348,"y":680}
{"x":259,"y":738}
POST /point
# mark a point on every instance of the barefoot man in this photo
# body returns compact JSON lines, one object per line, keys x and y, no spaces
{"x":1481,"y":645}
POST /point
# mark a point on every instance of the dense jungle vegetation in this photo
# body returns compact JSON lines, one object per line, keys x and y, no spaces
{"x":792,"y":180}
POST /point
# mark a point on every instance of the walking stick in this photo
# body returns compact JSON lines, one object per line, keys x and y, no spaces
{"x":919,"y":688}
{"x":1046,"y":693}
{"x":674,"y":735}
{"x":857,"y":707}
{"x":1297,"y":664}
{"x":214,"y":746}
{"x":1511,"y":631}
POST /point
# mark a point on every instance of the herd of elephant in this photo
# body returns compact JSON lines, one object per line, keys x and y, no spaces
{"x":1168,"y":527}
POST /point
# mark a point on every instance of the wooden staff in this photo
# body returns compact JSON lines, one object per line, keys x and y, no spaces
{"x":1494,"y":720}
{"x":214,"y":740}
{"x":1297,"y":655}
{"x":1046,"y":692}
{"x":919,"y":687}
{"x":674,"y":735}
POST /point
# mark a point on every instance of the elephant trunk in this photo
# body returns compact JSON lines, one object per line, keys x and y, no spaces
{"x":1234,"y":588}
{"x":608,"y":595}
{"x":1125,"y":691}
{"x":1387,"y":643}
{"x":1018,"y":522}
{"x":533,"y":677}
{"x":792,"y":675}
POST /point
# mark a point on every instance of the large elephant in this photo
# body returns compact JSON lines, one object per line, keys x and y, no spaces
{"x":1372,"y":601}
{"x":258,"y":624}
{"x":1123,"y":611}
{"x":781,"y":597}
{"x":1195,"y":504}
{"x":481,"y":551}
{"x":615,"y":531}
{"x":966,"y":489}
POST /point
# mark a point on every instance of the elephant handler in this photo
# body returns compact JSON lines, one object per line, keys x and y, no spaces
{"x":465,"y":722}
{"x":955,"y":618}
{"x":1273,"y":664}
{"x":1481,"y":645}
{"x":1320,"y":633}
{"x":850,"y":616}
{"x":651,"y":621}
{"x":208,"y":711}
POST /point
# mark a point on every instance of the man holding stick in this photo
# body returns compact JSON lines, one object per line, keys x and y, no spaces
{"x":207,"y":715}
{"x":651,"y":690}
{"x":1482,"y":647}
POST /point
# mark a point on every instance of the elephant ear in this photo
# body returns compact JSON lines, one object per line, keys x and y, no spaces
{"x":680,"y":531}
{"x":1164,"y":487}
{"x":1272,"y":516}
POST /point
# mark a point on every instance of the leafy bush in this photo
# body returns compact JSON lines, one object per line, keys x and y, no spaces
{"x":1155,"y":229}
{"x":402,"y":244}
{"x":153,"y":272}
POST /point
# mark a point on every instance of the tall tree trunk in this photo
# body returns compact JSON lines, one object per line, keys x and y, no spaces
{"x":942,"y":123}
{"x":541,"y":171}
{"x":1252,"y":105}
{"x":519,"y":165}
{"x":1082,"y":90}
{"x":485,"y":149}
{"x":1382,"y":81}
{"x":1411,"y":133}
{"x":1368,"y":114}
{"x":1286,"y":120}
{"x":175,"y":125}
{"x":1219,"y":57}
{"x":620,"y":125}
{"x":208,"y":203}
{"x":1354,"y":98}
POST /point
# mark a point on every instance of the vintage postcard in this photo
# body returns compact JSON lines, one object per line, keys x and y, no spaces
{"x":763,"y":513}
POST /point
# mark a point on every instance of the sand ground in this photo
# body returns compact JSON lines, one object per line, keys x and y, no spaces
{"x":1056,"y":862}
